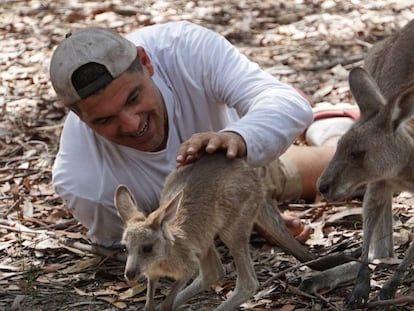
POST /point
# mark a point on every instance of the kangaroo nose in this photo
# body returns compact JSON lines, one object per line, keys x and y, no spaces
{"x":323,"y":188}
{"x":130,"y":275}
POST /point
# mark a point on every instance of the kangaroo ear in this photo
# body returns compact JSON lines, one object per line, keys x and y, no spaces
{"x":125,"y":204}
{"x":173,"y":205}
{"x":167,"y":211}
{"x":403,"y":108}
{"x":366,"y":92}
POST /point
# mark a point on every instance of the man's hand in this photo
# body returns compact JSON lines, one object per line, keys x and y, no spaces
{"x":210,"y":142}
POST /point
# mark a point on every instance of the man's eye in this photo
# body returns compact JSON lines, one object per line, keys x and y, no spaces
{"x":147,"y":248}
{"x":102,"y":121}
{"x":132,"y":100}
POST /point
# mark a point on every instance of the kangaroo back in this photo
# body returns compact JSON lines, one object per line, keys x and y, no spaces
{"x":391,"y":62}
{"x":214,"y":189}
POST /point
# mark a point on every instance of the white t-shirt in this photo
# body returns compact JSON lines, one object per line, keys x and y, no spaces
{"x":207,"y":85}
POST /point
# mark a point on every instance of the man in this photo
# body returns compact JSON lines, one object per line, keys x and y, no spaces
{"x":140,"y":107}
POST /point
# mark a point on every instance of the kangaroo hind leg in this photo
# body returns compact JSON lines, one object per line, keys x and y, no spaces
{"x":246,"y":283}
{"x":211,"y":271}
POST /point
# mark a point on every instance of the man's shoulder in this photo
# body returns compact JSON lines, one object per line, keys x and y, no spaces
{"x":158,"y":33}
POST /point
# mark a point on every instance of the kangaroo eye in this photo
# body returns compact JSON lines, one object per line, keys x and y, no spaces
{"x":357,"y":155}
{"x":147,"y":248}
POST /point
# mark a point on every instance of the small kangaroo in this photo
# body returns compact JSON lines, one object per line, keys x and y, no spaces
{"x":377,"y":151}
{"x":200,"y":201}
{"x":212,"y":197}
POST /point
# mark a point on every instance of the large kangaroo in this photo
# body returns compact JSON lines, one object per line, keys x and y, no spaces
{"x":213,"y":197}
{"x":377,"y":152}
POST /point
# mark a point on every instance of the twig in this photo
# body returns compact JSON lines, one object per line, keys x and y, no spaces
{"x":391,"y":302}
{"x":17,"y":169}
{"x":49,"y":127}
{"x":36,"y":221}
{"x":333,"y":306}
{"x":323,"y":204}
{"x":309,"y":208}
{"x":302,"y":264}
{"x":297,"y":291}
{"x":84,"y":303}
{"x":12,"y":207}
{"x":15,"y":226}
{"x":337,"y":61}
{"x":30,"y":142}
{"x":99,"y":250}
{"x":22,"y":175}
{"x":315,"y":205}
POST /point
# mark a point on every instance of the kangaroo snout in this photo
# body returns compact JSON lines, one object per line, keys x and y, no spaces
{"x":328,"y":194}
{"x":325,"y":188}
{"x":131,"y":275}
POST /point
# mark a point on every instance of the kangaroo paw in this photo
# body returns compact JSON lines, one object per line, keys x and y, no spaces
{"x":360,"y":294}
{"x":388,"y":290}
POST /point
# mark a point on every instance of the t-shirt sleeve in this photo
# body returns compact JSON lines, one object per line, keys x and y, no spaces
{"x":272,"y":114}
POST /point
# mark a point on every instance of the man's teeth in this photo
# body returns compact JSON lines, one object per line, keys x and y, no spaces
{"x":143,"y":130}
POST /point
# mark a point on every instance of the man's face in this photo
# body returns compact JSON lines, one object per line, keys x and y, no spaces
{"x":130,"y":111}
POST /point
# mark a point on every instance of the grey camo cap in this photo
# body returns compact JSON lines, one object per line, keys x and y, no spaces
{"x":93,"y":44}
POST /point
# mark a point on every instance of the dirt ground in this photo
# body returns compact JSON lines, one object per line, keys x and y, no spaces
{"x":46,"y":260}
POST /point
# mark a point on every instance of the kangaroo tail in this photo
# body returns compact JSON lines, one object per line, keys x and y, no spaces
{"x":270,"y":225}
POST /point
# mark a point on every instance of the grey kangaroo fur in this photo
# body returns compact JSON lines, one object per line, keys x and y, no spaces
{"x":211,"y":197}
{"x":378,"y":152}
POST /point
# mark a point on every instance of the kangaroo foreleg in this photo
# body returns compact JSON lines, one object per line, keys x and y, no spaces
{"x":377,"y":200}
{"x":390,"y":287}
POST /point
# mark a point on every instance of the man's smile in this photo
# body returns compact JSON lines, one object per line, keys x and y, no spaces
{"x":144,"y":128}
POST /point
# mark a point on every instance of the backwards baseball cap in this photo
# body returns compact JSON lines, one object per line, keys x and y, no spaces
{"x":89,"y":45}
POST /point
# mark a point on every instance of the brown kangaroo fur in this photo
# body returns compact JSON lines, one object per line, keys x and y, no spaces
{"x":213,"y":197}
{"x":377,"y":152}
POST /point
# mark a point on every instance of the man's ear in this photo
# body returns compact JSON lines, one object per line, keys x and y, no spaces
{"x":145,"y":60}
{"x":75,"y":109}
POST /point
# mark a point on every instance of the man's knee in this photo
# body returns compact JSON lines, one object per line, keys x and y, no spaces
{"x":282,"y":179}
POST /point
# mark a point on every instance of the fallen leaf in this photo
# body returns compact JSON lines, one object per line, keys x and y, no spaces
{"x":135,"y":290}
{"x":82,"y":265}
{"x":114,"y":301}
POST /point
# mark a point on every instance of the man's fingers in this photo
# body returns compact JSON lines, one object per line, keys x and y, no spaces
{"x":210,"y":142}
{"x":214,"y":142}
{"x":183,"y":160}
{"x":234,"y":149}
{"x":191,"y":149}
{"x":227,"y":141}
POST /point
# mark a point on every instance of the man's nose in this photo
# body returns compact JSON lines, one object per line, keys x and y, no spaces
{"x":129,"y":122}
